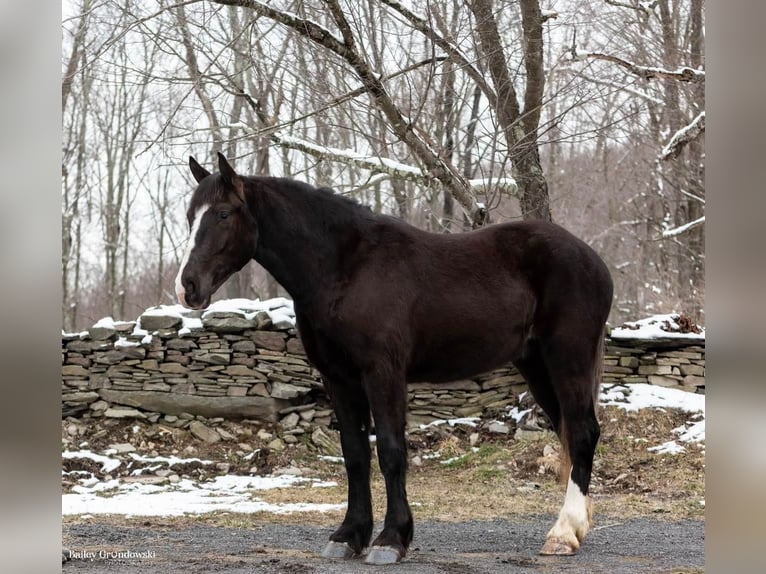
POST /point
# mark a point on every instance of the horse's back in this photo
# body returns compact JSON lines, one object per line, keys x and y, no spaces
{"x":481,"y":295}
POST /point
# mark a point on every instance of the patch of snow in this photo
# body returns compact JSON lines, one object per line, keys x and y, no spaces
{"x":106,"y":323}
{"x":468,"y":421}
{"x":122,"y":343}
{"x":279,"y":309}
{"x":190,"y":324}
{"x":516,"y":414}
{"x":691,"y":432}
{"x":224,"y":493}
{"x":170,"y":460}
{"x":335,"y":459}
{"x":107,"y":464}
{"x":650,"y":328}
{"x":642,"y":396}
{"x":176,"y":310}
{"x":670,"y":447}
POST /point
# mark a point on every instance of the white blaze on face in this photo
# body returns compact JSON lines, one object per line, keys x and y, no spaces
{"x":180,"y":291}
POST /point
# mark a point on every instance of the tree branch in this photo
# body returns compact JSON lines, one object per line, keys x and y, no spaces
{"x":382,"y":166}
{"x":682,"y":74}
{"x":683,"y":137}
{"x":436,"y":166}
{"x":425,"y":28}
{"x":683,"y":228}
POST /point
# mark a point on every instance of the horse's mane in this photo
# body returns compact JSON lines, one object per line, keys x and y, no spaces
{"x":322,"y":202}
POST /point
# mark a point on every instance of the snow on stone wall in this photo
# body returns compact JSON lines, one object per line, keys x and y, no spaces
{"x":244,"y":359}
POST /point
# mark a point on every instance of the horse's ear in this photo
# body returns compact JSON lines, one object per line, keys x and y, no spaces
{"x":228,"y":173}
{"x":230,"y":176}
{"x":197,"y":170}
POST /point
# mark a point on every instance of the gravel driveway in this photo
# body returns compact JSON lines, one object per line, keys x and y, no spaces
{"x":498,"y":546}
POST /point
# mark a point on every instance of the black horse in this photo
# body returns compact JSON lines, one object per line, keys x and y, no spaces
{"x":380,"y":303}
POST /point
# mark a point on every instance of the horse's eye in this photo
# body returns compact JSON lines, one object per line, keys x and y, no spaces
{"x":223,"y":214}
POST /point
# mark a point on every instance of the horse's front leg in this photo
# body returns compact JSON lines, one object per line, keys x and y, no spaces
{"x":353,"y":413}
{"x":388,"y":401}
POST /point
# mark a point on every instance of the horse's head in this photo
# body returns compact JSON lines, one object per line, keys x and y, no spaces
{"x":223,"y":234}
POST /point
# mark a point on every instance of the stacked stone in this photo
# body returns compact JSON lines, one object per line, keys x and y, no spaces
{"x":674,"y":363}
{"x":231,"y":366}
{"x":477,"y":397}
{"x":253,"y":365}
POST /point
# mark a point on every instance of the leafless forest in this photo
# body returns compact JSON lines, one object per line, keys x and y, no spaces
{"x":450,"y":114}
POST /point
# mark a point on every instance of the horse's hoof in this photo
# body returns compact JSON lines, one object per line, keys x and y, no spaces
{"x":338,"y":550}
{"x":383,"y":555}
{"x":557,"y":547}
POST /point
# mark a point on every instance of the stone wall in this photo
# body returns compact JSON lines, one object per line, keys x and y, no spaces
{"x":245,"y":360}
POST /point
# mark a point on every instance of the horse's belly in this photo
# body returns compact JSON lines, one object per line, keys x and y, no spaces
{"x":461,"y":358}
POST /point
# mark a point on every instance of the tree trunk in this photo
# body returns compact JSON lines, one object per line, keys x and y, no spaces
{"x":520,"y":129}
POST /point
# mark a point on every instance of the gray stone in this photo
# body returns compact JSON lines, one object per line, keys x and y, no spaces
{"x":269,"y":340}
{"x":655,"y":370}
{"x":164,"y":387}
{"x":295,"y":347}
{"x":694,"y":381}
{"x":521,"y":434}
{"x":307,"y":415}
{"x":290,"y":421}
{"x":696,"y":370}
{"x":243,"y":371}
{"x":259,"y":408}
{"x":99,"y":405}
{"x":122,"y":412}
{"x":244,"y":347}
{"x":258,"y":390}
{"x":203,"y":432}
{"x":181,"y":344}
{"x":663,"y":381}
{"x":262,"y":320}
{"x":498,"y":428}
{"x":74,"y":371}
{"x":155,"y":322}
{"x":212,"y":358}
{"x":225,"y":322}
{"x":225,"y":435}
{"x":173,"y":368}
{"x":276,"y":444}
{"x":80,"y":397}
{"x":101,"y":333}
{"x":327,"y":441}
{"x":122,"y":447}
{"x":470,"y":386}
{"x":287,"y":391}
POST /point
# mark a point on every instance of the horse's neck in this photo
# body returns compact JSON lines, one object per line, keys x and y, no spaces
{"x":287,"y":246}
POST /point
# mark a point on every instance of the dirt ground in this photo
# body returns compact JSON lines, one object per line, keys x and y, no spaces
{"x":486,"y":510}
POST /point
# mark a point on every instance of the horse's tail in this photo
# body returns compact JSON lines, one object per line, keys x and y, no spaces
{"x":598,"y":367}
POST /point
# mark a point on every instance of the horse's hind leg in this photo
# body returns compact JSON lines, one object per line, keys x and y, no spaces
{"x":388,"y":401}
{"x":353,"y":413}
{"x":573,"y":375}
{"x":532,"y":367}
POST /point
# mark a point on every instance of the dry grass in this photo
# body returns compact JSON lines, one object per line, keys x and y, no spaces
{"x":508,"y":478}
